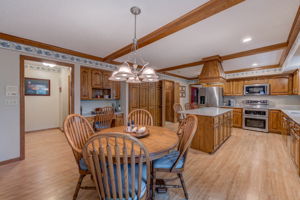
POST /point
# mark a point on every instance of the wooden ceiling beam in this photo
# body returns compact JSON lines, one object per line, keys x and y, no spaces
{"x":292,"y":37}
{"x":251,"y":52}
{"x":200,"y":13}
{"x":265,"y":49}
{"x":33,"y":43}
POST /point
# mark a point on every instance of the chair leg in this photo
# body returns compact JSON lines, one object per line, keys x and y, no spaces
{"x":183,"y":185}
{"x":153,"y":183}
{"x":78,"y":186}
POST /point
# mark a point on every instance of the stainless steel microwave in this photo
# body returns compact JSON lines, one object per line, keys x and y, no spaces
{"x":256,"y":89}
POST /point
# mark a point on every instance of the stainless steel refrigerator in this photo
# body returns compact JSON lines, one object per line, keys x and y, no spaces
{"x":207,"y":96}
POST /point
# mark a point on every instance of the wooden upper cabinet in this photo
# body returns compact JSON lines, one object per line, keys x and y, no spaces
{"x":280,"y":85}
{"x":238,"y":87}
{"x":228,"y":88}
{"x":296,"y":82}
{"x":275,"y":124}
{"x":106,"y":83}
{"x":96,"y":78}
{"x":256,"y":81}
{"x":85,"y":80}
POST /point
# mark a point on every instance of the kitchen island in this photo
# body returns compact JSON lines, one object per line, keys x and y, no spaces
{"x":214,"y":127}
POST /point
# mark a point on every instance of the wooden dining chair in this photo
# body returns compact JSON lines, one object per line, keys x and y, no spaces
{"x":77,"y":131}
{"x":175,"y":161}
{"x":120,"y":165}
{"x":177,"y":108}
{"x":188,"y":106}
{"x":141,"y":117}
{"x":106,"y":109}
{"x":103,"y":120}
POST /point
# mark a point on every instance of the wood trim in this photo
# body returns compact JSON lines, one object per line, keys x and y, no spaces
{"x":10,"y":161}
{"x":25,"y":41}
{"x":292,"y":37}
{"x":230,"y":56}
{"x":253,"y":69}
{"x":175,"y":75}
{"x":46,"y":129}
{"x":22,"y":95}
{"x":255,"y":51}
{"x":198,"y":14}
{"x":192,"y":64}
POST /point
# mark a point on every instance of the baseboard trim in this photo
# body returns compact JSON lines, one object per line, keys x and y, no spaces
{"x":5,"y":162}
{"x":46,"y":129}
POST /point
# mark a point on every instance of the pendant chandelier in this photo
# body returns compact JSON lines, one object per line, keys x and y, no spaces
{"x":129,"y":70}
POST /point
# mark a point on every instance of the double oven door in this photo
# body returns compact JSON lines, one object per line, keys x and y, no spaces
{"x":256,"y":120}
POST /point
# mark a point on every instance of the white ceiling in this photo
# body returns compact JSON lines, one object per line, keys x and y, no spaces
{"x":262,"y":59}
{"x":295,"y":61}
{"x":100,"y":27}
{"x":96,"y":27}
{"x":190,"y":72}
{"x":222,"y":33}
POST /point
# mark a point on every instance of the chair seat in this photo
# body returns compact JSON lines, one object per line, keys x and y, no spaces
{"x":101,"y":126}
{"x":82,"y":165}
{"x":168,"y":161}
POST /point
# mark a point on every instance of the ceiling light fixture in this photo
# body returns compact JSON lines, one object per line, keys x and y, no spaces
{"x":49,"y":64}
{"x":247,"y":39}
{"x":254,"y":65}
{"x":129,"y":70}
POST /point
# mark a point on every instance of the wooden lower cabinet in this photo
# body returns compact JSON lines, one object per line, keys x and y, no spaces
{"x":238,"y":117}
{"x":212,"y":132}
{"x":291,"y":134}
{"x":275,"y":121}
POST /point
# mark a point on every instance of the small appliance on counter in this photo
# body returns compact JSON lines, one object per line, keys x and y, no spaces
{"x":231,"y":102}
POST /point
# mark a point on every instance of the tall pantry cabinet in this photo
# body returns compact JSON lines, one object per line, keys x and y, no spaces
{"x":147,"y":96}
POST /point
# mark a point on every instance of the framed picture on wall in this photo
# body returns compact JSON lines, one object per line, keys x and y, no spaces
{"x":37,"y":87}
{"x":182,"y":91}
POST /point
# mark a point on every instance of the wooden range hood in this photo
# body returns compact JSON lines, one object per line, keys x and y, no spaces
{"x":212,"y":71}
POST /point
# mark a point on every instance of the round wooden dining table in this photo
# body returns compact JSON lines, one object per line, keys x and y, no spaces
{"x":159,"y":142}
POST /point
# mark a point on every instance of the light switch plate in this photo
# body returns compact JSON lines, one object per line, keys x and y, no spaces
{"x":11,"y":91}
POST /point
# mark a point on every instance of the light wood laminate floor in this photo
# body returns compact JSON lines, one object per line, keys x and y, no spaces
{"x":249,"y":166}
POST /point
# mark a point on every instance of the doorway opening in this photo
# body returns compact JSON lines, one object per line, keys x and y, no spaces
{"x":46,"y":95}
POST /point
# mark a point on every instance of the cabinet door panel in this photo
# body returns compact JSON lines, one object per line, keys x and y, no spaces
{"x":228,"y":88}
{"x":115,"y":90}
{"x":85,"y":80}
{"x":238,"y":87}
{"x":96,"y":79}
{"x":279,"y":86}
{"x":275,"y":121}
{"x":106,"y":83}
{"x":237,"y":118}
{"x":134,"y":96}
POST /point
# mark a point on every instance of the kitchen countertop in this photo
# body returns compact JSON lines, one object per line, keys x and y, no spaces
{"x":93,"y":115}
{"x":207,"y":111}
{"x":293,"y":114}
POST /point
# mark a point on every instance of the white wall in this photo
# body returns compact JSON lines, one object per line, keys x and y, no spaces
{"x":43,"y":112}
{"x":10,"y":114}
